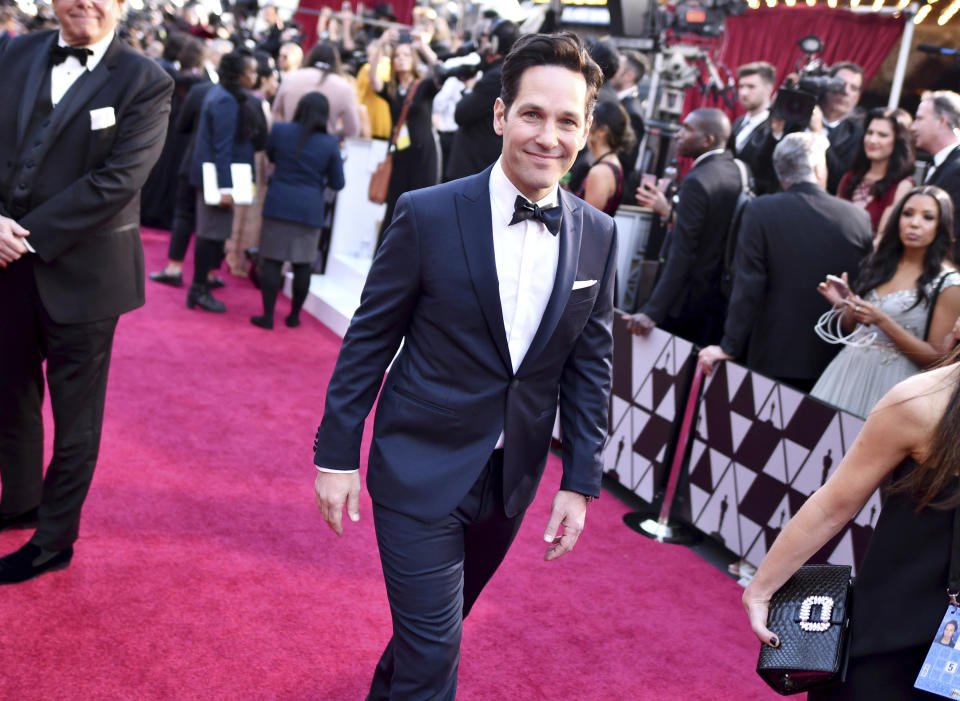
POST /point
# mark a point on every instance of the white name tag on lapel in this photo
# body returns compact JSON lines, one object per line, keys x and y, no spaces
{"x":580,"y":284}
{"x":102,"y":118}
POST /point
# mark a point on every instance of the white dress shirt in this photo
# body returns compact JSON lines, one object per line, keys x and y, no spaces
{"x":526,"y":256}
{"x":748,"y":126}
{"x":64,"y":75}
{"x":707,"y":154}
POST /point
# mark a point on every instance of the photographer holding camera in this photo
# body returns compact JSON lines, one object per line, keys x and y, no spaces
{"x":475,"y":144}
{"x":836,"y":119}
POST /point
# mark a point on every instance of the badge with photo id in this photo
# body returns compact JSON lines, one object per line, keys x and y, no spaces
{"x":940,"y":673}
{"x":403,"y":138}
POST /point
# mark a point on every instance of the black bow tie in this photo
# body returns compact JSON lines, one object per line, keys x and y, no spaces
{"x":59,"y":54}
{"x":550,"y":216}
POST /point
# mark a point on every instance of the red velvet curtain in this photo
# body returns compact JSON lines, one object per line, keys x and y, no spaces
{"x":403,"y":9}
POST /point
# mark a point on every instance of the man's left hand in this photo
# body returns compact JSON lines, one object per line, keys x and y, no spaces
{"x":11,"y":241}
{"x":567,"y":515}
{"x":710,"y":356}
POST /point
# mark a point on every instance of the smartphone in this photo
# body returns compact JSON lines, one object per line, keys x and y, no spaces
{"x":839,"y":285}
{"x":404,"y":37}
{"x":648,"y":180}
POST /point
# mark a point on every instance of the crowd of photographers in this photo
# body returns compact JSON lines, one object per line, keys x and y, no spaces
{"x":730,"y":276}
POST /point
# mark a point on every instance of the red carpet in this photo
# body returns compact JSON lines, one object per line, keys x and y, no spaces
{"x":204,"y":571}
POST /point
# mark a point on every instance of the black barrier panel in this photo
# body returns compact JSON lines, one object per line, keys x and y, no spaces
{"x":758,"y":450}
{"x":650,"y":387}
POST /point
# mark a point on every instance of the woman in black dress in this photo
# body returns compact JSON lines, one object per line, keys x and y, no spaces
{"x":415,"y":159}
{"x":900,"y":590}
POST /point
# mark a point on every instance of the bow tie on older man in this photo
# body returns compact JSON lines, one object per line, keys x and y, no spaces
{"x":59,"y":54}
{"x":550,"y":216}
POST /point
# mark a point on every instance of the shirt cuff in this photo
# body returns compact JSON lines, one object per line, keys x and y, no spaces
{"x":339,"y":472}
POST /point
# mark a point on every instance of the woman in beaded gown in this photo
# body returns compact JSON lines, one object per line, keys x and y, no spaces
{"x":910,"y":270}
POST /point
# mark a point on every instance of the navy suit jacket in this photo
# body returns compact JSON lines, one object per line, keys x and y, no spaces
{"x":296,"y":188}
{"x":452,"y":389}
{"x":216,"y":140}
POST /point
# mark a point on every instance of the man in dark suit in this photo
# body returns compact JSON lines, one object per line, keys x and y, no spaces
{"x":500,"y":286}
{"x":475,"y":143}
{"x":686,"y":300}
{"x":935,"y":131}
{"x":79,"y":132}
{"x":837,"y":119}
{"x":633,"y":66}
{"x":789,"y":242}
{"x":751,"y":139}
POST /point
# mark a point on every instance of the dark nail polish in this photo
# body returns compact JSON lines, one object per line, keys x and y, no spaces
{"x":773,"y":641}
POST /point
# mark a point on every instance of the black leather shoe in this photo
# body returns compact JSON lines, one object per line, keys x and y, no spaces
{"x":262,"y":321}
{"x":199,"y":296}
{"x":215,"y":282}
{"x":172,"y":279}
{"x":292,"y":320}
{"x":27,"y":519}
{"x":31,"y":561}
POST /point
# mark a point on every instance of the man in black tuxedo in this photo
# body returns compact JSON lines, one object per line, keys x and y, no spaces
{"x":633,"y":66}
{"x":500,"y":286}
{"x":686,"y":300}
{"x":789,"y":242}
{"x":475,"y":143}
{"x":751,"y":139}
{"x":79,"y":132}
{"x":837,"y":120}
{"x":935,"y":130}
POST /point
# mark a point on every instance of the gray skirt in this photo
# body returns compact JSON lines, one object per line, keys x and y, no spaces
{"x":213,"y":223}
{"x":288,"y":240}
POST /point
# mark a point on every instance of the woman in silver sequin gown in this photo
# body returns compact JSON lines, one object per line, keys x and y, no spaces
{"x":888,"y":316}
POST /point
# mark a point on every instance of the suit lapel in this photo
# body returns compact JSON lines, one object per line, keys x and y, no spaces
{"x":87,"y":85}
{"x":571,"y":230}
{"x":476,"y":230}
{"x":32,"y":86}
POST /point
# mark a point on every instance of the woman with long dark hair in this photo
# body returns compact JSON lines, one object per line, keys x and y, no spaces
{"x":908,"y":280}
{"x":900,"y":592}
{"x":610,"y":135}
{"x":307,"y":161}
{"x":232,"y":128}
{"x":882,"y":170}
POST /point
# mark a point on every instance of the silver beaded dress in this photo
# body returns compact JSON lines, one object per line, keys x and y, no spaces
{"x":859,"y":376}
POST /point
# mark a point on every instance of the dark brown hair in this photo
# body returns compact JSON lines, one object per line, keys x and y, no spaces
{"x":766,"y":71}
{"x":611,"y":115}
{"x":881,"y":265}
{"x":933,"y":478}
{"x":564,"y":50}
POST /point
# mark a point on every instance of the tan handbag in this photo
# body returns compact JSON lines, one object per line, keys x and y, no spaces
{"x":380,"y":180}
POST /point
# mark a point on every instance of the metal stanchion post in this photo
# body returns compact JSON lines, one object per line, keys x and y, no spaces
{"x":659,"y":526}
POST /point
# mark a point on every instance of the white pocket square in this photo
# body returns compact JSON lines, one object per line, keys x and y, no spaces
{"x":102,"y":118}
{"x":580,"y":284}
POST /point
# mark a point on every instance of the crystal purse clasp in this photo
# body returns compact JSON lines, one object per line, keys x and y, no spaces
{"x":806,"y":609}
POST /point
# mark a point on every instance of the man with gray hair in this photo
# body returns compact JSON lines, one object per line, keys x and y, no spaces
{"x":935,"y":130}
{"x":789,"y":242}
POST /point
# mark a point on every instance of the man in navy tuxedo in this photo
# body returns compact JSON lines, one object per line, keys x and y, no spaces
{"x":80,"y":129}
{"x":500,"y":286}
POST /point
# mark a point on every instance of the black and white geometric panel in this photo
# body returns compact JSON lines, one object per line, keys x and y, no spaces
{"x":650,"y":377}
{"x":760,"y":449}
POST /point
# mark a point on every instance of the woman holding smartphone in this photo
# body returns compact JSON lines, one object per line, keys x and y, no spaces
{"x":907,"y":285}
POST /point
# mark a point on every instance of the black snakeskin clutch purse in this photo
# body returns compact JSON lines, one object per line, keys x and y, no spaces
{"x":811,"y":616}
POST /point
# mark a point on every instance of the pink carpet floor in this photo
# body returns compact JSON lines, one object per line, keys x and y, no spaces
{"x":204,"y":571}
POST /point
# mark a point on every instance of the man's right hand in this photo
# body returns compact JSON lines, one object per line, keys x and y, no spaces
{"x":333,"y":490}
{"x":639,"y":324}
{"x":11,"y":241}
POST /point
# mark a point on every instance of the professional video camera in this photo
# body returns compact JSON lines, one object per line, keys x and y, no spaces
{"x":799,"y":94}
